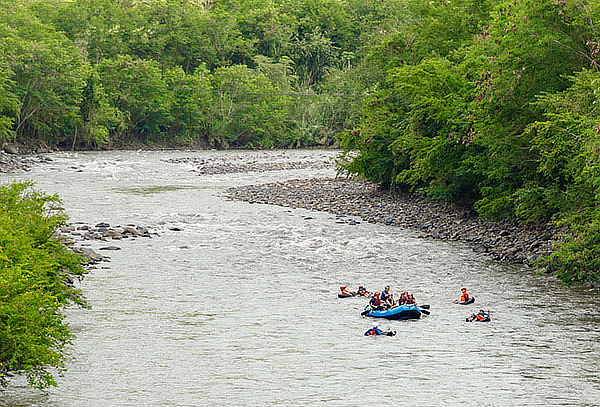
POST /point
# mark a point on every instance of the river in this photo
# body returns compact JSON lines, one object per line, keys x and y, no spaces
{"x":239,"y":307}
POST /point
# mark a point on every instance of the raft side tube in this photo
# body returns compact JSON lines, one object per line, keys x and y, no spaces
{"x":399,"y":312}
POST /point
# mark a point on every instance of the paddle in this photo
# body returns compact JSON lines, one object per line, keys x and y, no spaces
{"x":423,"y":308}
{"x":366,"y":311}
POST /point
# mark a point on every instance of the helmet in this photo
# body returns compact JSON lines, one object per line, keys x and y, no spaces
{"x":376,"y":294}
{"x":342,"y":287}
{"x":463,"y":289}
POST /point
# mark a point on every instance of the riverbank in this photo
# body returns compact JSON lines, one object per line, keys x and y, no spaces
{"x":505,"y":241}
{"x":256,"y":161}
{"x":12,"y":163}
{"x":17,"y":162}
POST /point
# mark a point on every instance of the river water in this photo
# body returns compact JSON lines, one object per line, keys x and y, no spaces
{"x":240,"y":307}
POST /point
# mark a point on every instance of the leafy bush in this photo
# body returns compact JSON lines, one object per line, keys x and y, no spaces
{"x":36,"y":272}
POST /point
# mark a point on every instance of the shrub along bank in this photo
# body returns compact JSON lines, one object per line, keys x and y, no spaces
{"x":36,"y":275}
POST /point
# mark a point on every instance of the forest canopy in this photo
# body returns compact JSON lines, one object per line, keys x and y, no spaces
{"x":107,"y":73}
{"x":492,"y":105}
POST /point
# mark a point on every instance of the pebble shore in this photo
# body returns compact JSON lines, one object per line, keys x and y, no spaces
{"x":10,"y":162}
{"x":253,"y":162}
{"x":505,"y":241}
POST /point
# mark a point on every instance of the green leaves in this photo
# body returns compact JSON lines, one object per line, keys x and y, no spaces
{"x":72,"y":70}
{"x":43,"y":65}
{"x":494,"y":106}
{"x":246,"y":113}
{"x":34,"y":273}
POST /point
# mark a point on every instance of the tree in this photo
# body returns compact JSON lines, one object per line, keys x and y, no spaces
{"x":247,"y":112}
{"x":47,"y":71}
{"x":136,"y":88}
{"x":9,"y":105}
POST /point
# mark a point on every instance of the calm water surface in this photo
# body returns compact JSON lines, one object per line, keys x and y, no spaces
{"x":240,"y":307}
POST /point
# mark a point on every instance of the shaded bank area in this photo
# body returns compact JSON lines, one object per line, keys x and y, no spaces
{"x":505,"y":241}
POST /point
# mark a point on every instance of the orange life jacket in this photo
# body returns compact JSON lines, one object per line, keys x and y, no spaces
{"x":464,"y":297}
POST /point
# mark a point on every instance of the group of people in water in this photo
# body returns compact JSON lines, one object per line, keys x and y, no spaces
{"x":380,"y":301}
{"x":384,"y":300}
{"x":360,"y":292}
{"x":465,"y":299}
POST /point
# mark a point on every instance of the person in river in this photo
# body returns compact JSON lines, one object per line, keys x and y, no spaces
{"x":387,"y":297}
{"x":376,"y":331}
{"x":410,"y":299}
{"x":375,"y":303}
{"x":362,"y":292}
{"x":465,"y":298}
{"x":345,"y":291}
{"x":401,"y":299}
{"x":481,"y":316}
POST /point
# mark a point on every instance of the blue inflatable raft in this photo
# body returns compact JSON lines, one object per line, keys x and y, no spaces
{"x":399,"y":312}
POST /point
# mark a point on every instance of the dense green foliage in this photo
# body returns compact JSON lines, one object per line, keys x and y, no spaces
{"x":35,"y":274}
{"x":108,"y":73}
{"x":495,"y":105}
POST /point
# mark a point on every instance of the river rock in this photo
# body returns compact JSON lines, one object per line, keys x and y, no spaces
{"x":13,"y":163}
{"x":91,"y":254}
{"x":130,"y":230}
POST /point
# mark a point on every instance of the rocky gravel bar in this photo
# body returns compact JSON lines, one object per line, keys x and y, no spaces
{"x":76,"y":234}
{"x":12,"y":163}
{"x":505,"y":241}
{"x":248,"y":162}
